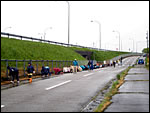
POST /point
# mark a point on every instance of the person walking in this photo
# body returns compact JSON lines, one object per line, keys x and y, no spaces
{"x":121,"y":61}
{"x":114,"y":63}
{"x":75,"y":64}
{"x":13,"y":72}
{"x":30,"y":70}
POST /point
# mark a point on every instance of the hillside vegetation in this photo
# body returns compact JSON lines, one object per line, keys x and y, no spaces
{"x":22,"y":49}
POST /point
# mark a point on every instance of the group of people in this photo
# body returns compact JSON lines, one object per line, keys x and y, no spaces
{"x":90,"y":64}
{"x":76,"y":65}
{"x":114,"y":62}
{"x":14,"y":73}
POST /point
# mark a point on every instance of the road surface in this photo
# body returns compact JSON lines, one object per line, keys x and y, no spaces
{"x":66,"y":93}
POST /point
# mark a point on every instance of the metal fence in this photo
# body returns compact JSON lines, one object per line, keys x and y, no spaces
{"x":22,"y":64}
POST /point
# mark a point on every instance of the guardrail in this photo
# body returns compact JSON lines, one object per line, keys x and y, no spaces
{"x":126,"y":55}
{"x":50,"y":42}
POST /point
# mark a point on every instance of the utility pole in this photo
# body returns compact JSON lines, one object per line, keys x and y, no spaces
{"x":147,"y":41}
{"x":99,"y":32}
{"x":119,"y":38}
{"x":68,"y":22}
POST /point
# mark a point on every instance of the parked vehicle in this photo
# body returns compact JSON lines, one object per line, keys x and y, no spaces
{"x":140,"y":61}
{"x":145,"y":55}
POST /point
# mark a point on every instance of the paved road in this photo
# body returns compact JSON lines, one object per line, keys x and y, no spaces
{"x":69,"y":92}
{"x":134,"y":93}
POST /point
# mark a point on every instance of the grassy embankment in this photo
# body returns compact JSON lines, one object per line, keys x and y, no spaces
{"x":28,"y":50}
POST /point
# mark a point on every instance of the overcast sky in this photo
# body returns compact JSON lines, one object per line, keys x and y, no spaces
{"x":130,"y":18}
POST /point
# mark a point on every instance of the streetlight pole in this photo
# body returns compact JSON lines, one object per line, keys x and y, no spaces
{"x":138,"y":43}
{"x":40,"y":34}
{"x":147,"y":41}
{"x":99,"y":32}
{"x":133,"y":43}
{"x":7,"y":28}
{"x":46,"y":30}
{"x":68,"y":22}
{"x":136,"y":46}
{"x":119,"y":38}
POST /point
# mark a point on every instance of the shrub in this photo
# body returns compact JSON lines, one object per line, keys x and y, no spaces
{"x":118,"y":77}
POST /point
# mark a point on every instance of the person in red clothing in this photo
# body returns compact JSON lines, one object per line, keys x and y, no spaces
{"x":57,"y":71}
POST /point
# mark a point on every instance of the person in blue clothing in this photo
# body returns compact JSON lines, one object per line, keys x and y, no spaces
{"x":83,"y":68}
{"x":13,"y":72}
{"x":45,"y":71}
{"x":92,"y":66}
{"x":30,"y":70}
{"x":75,"y":64}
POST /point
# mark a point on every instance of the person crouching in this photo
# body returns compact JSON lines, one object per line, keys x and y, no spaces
{"x":13,"y":72}
{"x":45,"y":71}
{"x":30,"y":70}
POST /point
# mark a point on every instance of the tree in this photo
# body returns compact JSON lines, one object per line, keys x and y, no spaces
{"x":145,"y":50}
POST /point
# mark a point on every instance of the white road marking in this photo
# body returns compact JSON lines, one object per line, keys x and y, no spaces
{"x":58,"y":85}
{"x":88,"y":74}
{"x":2,"y":106}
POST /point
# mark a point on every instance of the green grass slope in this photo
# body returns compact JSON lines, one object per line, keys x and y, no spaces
{"x":21,"y":49}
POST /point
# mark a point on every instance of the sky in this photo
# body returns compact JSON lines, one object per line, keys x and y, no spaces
{"x":33,"y":18}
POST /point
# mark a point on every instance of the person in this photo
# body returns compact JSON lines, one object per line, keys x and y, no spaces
{"x":30,"y":70}
{"x":89,"y":63}
{"x":13,"y":72}
{"x":92,"y":66}
{"x":45,"y":71}
{"x":83,"y":68}
{"x":57,"y":71}
{"x":75,"y":64}
{"x":114,"y":63}
{"x":121,"y":60}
